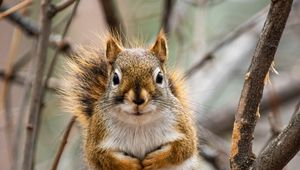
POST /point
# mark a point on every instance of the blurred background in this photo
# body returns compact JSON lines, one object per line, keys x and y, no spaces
{"x":212,"y":41}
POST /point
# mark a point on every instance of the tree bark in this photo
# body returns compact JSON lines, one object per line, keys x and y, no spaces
{"x":241,"y":155}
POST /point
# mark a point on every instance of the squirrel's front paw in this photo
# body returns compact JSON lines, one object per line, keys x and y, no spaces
{"x":128,"y":162}
{"x":157,"y":159}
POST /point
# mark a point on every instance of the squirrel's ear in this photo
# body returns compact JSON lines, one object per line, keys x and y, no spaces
{"x":112,"y":50}
{"x":160,"y":47}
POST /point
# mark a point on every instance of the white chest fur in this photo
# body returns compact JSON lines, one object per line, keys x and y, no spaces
{"x":139,"y":139}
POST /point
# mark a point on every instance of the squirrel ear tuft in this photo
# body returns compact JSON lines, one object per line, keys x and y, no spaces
{"x":112,"y":50}
{"x":160,"y":47}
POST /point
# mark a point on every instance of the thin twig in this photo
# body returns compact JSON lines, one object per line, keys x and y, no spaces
{"x":274,"y":124}
{"x":26,"y":24}
{"x":212,"y":148}
{"x":221,"y":120}
{"x":15,"y":8}
{"x":61,"y":6}
{"x":37,"y":88}
{"x":5,"y":91}
{"x":22,"y":112}
{"x":29,"y":27}
{"x":57,"y":51}
{"x":63,"y":143}
{"x":52,"y":84}
{"x":49,"y":74}
{"x":241,"y":155}
{"x":209,"y":55}
{"x":282,"y":149}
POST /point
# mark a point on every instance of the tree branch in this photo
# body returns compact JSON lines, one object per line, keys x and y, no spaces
{"x":241,"y":156}
{"x":221,"y":120}
{"x":37,"y":88}
{"x":282,"y":149}
{"x":63,"y":143}
{"x":213,"y":148}
{"x":168,"y":7}
{"x":245,"y":27}
{"x":113,"y":18}
{"x":17,"y":7}
{"x":30,"y":28}
{"x":25,"y":23}
{"x":60,"y":7}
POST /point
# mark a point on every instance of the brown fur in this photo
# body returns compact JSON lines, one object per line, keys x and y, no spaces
{"x":88,"y":76}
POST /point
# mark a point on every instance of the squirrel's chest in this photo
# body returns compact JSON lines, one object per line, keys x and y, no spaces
{"x":140,"y":139}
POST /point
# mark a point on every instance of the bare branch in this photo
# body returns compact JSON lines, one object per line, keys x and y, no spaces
{"x":221,"y":120}
{"x":37,"y":88}
{"x":282,"y":149}
{"x":241,"y":156}
{"x":63,"y":143}
{"x":112,"y":17}
{"x":15,"y":8}
{"x":29,"y":27}
{"x":213,"y":149}
{"x":168,"y":6}
{"x":60,"y":7}
{"x":245,"y":27}
{"x":25,"y":23}
{"x":275,"y":125}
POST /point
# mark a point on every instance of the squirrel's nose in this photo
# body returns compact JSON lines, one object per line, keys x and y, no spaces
{"x":139,"y":101}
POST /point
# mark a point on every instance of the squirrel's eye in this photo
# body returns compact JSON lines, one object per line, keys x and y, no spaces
{"x":159,"y":78}
{"x":116,"y":79}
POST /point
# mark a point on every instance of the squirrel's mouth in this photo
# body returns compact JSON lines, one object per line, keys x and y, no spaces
{"x":138,"y":114}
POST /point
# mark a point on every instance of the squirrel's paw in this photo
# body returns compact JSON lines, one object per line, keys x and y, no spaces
{"x":157,"y":159}
{"x":128,"y":162}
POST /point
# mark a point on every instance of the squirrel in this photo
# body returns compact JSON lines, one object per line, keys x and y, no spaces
{"x":132,"y":109}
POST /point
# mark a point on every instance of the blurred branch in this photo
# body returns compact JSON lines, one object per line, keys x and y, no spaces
{"x":22,"y":111}
{"x":52,"y":84}
{"x":37,"y":88}
{"x":57,"y":51}
{"x":15,"y":8}
{"x":31,"y":28}
{"x":282,"y":149}
{"x":241,"y":155}
{"x":274,"y":124}
{"x":6,"y":89}
{"x":213,"y":148}
{"x":113,"y":18}
{"x":14,"y":77}
{"x":60,"y":7}
{"x":63,"y":143}
{"x":168,"y":6}
{"x":25,"y":23}
{"x":245,"y":27}
{"x":221,"y":121}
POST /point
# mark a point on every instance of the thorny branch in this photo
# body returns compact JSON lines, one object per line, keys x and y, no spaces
{"x":241,"y":156}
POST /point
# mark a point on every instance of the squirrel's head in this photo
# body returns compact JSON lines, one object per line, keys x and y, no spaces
{"x":138,"y":88}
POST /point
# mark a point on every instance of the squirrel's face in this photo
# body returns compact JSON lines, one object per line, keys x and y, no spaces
{"x":138,"y":90}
